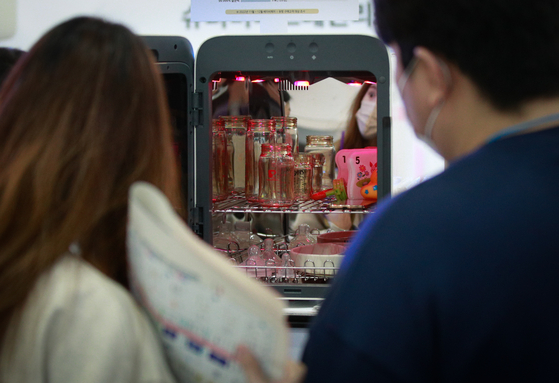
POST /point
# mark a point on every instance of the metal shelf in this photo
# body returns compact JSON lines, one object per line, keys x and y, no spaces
{"x":238,"y":204}
{"x":308,"y":273}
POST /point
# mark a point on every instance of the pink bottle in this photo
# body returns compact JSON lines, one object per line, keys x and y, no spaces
{"x":361,"y":164}
{"x":342,"y":158}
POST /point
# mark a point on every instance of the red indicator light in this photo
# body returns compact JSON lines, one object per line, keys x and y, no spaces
{"x":370,"y":82}
{"x":239,"y":78}
{"x":276,"y":80}
{"x":259,"y":80}
{"x":301,"y":83}
{"x":354,"y":84}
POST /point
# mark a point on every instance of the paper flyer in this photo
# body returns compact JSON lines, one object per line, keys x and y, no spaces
{"x":202,"y":306}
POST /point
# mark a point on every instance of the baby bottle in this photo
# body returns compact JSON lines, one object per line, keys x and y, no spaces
{"x":270,"y":257}
{"x":225,"y":239}
{"x":245,"y":236}
{"x":255,"y":263}
{"x":303,"y":237}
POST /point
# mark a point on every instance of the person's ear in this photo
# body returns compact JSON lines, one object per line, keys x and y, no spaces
{"x":435,"y":74}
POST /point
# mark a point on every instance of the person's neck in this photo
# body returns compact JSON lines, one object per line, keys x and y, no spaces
{"x":473,"y":121}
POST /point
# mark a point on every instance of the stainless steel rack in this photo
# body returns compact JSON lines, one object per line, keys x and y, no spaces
{"x":307,"y":274}
{"x":302,"y":287}
{"x":239,"y":204}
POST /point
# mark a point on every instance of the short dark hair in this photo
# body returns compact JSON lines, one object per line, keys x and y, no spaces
{"x":8,"y":58}
{"x":508,"y":48}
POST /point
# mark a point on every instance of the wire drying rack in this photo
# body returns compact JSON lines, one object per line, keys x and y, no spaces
{"x":239,"y":204}
{"x":309,"y":273}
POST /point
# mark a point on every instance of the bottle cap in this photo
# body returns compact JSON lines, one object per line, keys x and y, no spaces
{"x":265,"y":125}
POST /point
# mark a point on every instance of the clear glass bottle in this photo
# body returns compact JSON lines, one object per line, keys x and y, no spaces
{"x":286,"y":132}
{"x":225,"y":239}
{"x":267,"y":172}
{"x":289,"y":264}
{"x":303,"y":176}
{"x":255,"y":263}
{"x":270,"y":257}
{"x":220,"y":166}
{"x":318,"y":165}
{"x":245,"y":235}
{"x":236,"y":130}
{"x":277,"y":168}
{"x":260,"y":131}
{"x":303,"y":237}
{"x":324,"y":145}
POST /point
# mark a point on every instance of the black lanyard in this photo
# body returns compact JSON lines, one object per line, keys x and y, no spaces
{"x":527,"y":125}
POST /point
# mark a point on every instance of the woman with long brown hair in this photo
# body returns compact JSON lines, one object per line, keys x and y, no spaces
{"x":82,"y":117}
{"x":361,"y":132}
{"x":361,"y":129}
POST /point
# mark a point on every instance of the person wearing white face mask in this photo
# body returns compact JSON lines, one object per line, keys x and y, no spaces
{"x":361,"y":132}
{"x":361,"y":129}
{"x":426,"y":133}
{"x":367,"y":114}
{"x":456,"y":280}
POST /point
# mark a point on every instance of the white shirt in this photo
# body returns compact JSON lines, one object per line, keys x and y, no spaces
{"x":81,"y":326}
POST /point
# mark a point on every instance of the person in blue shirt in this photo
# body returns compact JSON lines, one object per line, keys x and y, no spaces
{"x":456,"y":280}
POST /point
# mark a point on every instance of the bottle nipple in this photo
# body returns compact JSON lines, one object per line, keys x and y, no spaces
{"x":253,"y":251}
{"x":269,"y":244}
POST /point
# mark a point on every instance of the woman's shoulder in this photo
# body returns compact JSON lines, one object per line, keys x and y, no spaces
{"x":72,"y":280}
{"x":75,"y":288}
{"x":82,"y":326}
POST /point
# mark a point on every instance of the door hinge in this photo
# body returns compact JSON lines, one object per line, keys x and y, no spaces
{"x":197,"y":109}
{"x":198,"y":221}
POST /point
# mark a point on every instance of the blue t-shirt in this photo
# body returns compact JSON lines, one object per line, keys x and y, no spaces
{"x":456,"y":280}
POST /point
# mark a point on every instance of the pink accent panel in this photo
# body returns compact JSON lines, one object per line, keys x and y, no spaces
{"x":341,"y":162}
{"x":361,"y":164}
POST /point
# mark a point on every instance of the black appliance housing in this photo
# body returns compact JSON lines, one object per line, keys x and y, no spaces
{"x":292,"y":57}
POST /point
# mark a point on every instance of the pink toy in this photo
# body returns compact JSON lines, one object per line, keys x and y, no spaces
{"x":370,"y":191}
{"x":361,"y":165}
{"x":341,"y":162}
